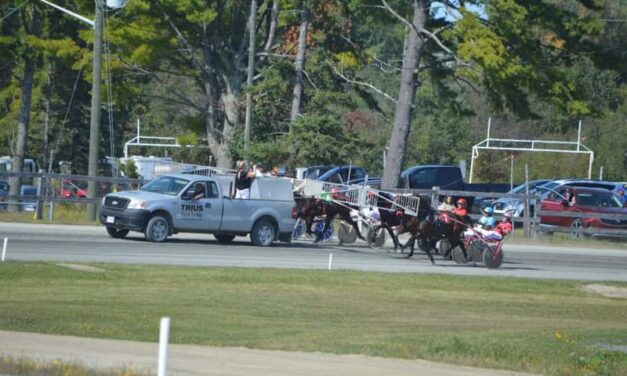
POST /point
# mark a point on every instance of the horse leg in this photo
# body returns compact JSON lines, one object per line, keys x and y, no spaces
{"x":347,"y":217}
{"x":410,"y":242}
{"x":397,"y":244}
{"x":309,"y":220}
{"x":428,"y":250}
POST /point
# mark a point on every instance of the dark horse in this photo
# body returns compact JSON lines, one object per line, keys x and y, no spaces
{"x":447,"y":226}
{"x":393,"y":215}
{"x":309,"y":208}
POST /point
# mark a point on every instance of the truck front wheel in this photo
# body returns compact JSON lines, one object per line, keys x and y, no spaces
{"x":157,"y":229}
{"x":263,"y":232}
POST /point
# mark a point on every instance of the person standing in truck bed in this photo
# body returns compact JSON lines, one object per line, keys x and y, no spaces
{"x":243,"y":180}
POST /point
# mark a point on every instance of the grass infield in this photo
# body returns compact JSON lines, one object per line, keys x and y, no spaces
{"x":548,"y":327}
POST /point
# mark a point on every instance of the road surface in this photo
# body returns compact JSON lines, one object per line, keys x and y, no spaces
{"x":89,"y":244}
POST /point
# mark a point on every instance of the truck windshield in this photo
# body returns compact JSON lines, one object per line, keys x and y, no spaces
{"x":166,"y":185}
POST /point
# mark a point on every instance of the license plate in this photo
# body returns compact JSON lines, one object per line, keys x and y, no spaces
{"x":110,"y":219}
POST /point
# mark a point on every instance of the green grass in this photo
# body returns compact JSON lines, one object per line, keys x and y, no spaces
{"x":25,"y":366}
{"x":548,"y":327}
{"x":64,"y":213}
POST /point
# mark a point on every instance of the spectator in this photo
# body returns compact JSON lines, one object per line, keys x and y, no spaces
{"x":570,"y":196}
{"x":275,"y":171}
{"x":243,"y":180}
{"x":447,"y":204}
{"x":259,"y":170}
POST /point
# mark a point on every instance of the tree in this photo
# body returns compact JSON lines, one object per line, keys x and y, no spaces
{"x":29,"y":57}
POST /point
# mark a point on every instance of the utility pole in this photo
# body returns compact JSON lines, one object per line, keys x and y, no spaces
{"x":94,"y":128}
{"x":96,"y":88}
{"x":251,"y":73}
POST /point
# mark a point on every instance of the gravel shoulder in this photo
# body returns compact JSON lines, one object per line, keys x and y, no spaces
{"x":186,"y":360}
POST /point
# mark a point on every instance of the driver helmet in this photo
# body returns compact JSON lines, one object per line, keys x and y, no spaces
{"x":488,"y":210}
{"x":462,"y":202}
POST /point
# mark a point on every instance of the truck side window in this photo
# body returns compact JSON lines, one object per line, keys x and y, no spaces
{"x":423,"y":179}
{"x":212,"y":189}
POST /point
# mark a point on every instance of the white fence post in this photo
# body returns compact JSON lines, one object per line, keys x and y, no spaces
{"x":4,"y":248}
{"x":164,"y":335}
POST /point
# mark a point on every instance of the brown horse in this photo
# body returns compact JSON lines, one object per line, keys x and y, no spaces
{"x":312,"y":207}
{"x":392,"y":215}
{"x":447,"y":226}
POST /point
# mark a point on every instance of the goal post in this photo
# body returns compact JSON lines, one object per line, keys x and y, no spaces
{"x":536,"y":146}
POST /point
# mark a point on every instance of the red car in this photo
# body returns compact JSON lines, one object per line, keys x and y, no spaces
{"x":586,"y":201}
{"x":72,"y":190}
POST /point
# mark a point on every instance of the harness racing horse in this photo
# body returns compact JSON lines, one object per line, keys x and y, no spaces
{"x":312,"y":207}
{"x":394,"y":216}
{"x":448,"y":226}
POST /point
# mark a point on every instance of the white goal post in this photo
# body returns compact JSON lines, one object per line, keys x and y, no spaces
{"x":570,"y":147}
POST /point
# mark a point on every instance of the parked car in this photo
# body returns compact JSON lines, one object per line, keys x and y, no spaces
{"x":311,"y":172}
{"x":586,"y":201}
{"x":4,"y":192}
{"x":70,"y":189}
{"x":344,"y":175}
{"x":515,"y":205}
{"x":583,"y":183}
{"x":446,"y":177}
{"x":28,"y":204}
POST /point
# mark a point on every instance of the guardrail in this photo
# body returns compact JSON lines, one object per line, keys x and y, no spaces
{"x":61,"y":188}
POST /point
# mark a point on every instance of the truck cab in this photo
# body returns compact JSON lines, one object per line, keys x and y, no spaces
{"x":203,"y":204}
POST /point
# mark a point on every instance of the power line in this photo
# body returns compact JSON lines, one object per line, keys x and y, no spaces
{"x":14,"y":10}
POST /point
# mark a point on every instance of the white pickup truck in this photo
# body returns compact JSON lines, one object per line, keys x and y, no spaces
{"x":203,"y":204}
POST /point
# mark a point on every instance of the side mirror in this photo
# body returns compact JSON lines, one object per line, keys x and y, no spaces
{"x":188,"y":195}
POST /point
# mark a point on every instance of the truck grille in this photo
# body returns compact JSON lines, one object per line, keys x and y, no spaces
{"x":116,"y":203}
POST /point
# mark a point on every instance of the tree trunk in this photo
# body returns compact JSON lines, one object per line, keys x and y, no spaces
{"x":26,"y":88}
{"x":300,"y":63}
{"x":232,"y":108}
{"x":406,"y":97}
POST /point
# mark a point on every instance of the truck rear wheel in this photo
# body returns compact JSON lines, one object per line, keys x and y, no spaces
{"x":263,"y":232}
{"x":115,"y":233}
{"x":157,"y":229}
{"x":224,"y":238}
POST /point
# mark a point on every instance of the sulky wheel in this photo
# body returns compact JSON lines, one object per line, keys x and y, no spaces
{"x":376,"y":237}
{"x":493,"y":257}
{"x":458,"y":255}
{"x":346,"y":233}
{"x":443,"y":249}
{"x":327,"y":235}
{"x":299,"y":228}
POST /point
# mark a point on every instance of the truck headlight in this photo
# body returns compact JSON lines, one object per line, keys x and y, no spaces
{"x":137,"y":204}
